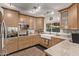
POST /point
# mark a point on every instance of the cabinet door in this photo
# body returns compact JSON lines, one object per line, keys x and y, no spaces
{"x":11,"y":45}
{"x":31,"y":22}
{"x":55,"y":41}
{"x":24,"y":18}
{"x":24,"y":42}
{"x":40,"y":24}
{"x":45,"y":42}
{"x":35,"y":39}
{"x":64,"y":19}
{"x":11,"y":18}
{"x":72,"y":17}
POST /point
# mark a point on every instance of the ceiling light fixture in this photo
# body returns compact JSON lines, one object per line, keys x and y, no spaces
{"x":49,"y":12}
{"x":38,"y":8}
{"x":35,"y":9}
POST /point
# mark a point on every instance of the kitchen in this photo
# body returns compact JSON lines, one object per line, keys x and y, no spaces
{"x":23,"y":31}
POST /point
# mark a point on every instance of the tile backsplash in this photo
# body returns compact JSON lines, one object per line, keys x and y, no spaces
{"x":70,"y":31}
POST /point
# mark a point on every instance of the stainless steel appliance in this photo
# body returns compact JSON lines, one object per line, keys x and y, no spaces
{"x":1,"y":31}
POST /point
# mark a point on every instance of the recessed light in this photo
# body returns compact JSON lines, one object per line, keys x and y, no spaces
{"x":52,"y":12}
{"x":21,"y":19}
{"x":9,"y":14}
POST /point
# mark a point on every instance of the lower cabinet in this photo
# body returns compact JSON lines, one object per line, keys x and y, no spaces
{"x":18,"y":43}
{"x":11,"y":45}
{"x":35,"y":39}
{"x":24,"y":42}
{"x":55,"y":41}
{"x":27,"y":41}
{"x":45,"y":42}
{"x":49,"y":42}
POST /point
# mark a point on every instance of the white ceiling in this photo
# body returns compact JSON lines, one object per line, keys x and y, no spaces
{"x":25,"y":8}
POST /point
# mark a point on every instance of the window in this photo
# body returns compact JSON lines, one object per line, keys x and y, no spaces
{"x":53,"y":27}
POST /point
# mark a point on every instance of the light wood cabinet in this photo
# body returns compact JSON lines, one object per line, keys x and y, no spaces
{"x":56,"y":40}
{"x":31,"y":22}
{"x":64,"y":19}
{"x":23,"y":42}
{"x":39,"y":25}
{"x":24,"y":18}
{"x":27,"y":41}
{"x":11,"y":18}
{"x":72,"y":22}
{"x":49,"y":43}
{"x":11,"y":45}
{"x":35,"y":39}
{"x":45,"y":42}
{"x":72,"y":17}
{"x":18,"y":43}
{"x":78,"y":15}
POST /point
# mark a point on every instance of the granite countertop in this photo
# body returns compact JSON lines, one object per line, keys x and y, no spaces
{"x":60,"y":35}
{"x":64,"y":48}
{"x":20,"y":36}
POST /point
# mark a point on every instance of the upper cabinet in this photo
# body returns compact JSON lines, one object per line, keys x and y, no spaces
{"x":11,"y":18}
{"x":35,"y":23}
{"x":72,"y":17}
{"x":31,"y":22}
{"x":24,"y":18}
{"x":69,"y":17}
{"x":39,"y":24}
{"x":64,"y":19}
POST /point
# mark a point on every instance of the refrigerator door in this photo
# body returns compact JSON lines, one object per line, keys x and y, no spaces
{"x":3,"y":36}
{"x":1,"y":19}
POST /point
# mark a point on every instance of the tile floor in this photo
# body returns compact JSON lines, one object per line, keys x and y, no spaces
{"x":36,"y":50}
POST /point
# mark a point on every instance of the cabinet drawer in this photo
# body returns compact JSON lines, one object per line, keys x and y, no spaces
{"x":11,"y":47}
{"x":9,"y":41}
{"x":56,"y":40}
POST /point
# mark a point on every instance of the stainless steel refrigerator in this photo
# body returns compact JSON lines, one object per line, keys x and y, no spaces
{"x":2,"y":32}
